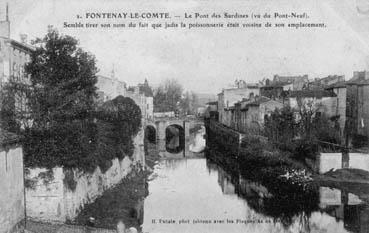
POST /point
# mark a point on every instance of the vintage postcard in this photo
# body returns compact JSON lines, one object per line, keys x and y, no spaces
{"x":189,"y":116}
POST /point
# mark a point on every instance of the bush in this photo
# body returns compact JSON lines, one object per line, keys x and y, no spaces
{"x":305,"y":149}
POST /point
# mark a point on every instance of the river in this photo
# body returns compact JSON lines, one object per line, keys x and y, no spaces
{"x":194,"y":194}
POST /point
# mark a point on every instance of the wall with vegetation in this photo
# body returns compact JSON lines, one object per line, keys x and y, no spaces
{"x":58,"y":195}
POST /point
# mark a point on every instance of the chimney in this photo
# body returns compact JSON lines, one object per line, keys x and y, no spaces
{"x":5,"y":25}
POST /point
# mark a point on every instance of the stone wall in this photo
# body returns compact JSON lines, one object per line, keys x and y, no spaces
{"x":329,"y":161}
{"x":11,"y":186}
{"x":59,"y":197}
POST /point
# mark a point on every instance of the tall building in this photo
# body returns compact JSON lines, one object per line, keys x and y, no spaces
{"x":13,"y":57}
{"x":110,"y":87}
{"x":357,"y":108}
{"x":142,"y":94}
{"x":228,"y":97}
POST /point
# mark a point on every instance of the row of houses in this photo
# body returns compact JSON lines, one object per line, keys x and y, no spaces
{"x":244,"y":107}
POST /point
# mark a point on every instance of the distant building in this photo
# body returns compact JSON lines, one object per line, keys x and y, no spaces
{"x":320,"y":101}
{"x":109,"y":87}
{"x":13,"y":57}
{"x":228,"y":97}
{"x":321,"y":83}
{"x":12,"y":213}
{"x":147,"y":91}
{"x":249,"y":115}
{"x":276,"y":90}
{"x":357,"y":107}
{"x":143,"y":99}
{"x":340,"y":90}
{"x":299,"y":82}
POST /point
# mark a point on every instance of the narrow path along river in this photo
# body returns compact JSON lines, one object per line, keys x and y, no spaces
{"x":196,"y":195}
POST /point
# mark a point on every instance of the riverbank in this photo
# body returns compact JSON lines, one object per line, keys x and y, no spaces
{"x":287,"y":198}
{"x":121,"y":203}
{"x":124,"y":202}
{"x":272,"y":162}
{"x":253,"y":152}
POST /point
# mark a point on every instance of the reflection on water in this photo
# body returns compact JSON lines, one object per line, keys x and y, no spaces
{"x":193,"y":194}
{"x":175,"y":139}
{"x":197,"y":189}
{"x":198,"y":141}
{"x":176,"y":146}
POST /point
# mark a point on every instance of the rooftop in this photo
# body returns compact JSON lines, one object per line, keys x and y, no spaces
{"x":277,"y":84}
{"x":336,"y":85}
{"x":359,"y":81}
{"x":312,"y":93}
{"x":260,"y":100}
{"x":212,"y":103}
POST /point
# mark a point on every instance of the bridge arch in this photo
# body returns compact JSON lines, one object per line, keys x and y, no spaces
{"x":174,"y":138}
{"x":150,"y":134}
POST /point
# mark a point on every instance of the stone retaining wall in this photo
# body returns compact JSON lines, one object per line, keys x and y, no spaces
{"x":58,"y":196}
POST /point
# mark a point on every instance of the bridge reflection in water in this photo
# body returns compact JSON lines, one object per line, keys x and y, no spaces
{"x":195,"y":189}
{"x":176,"y":138}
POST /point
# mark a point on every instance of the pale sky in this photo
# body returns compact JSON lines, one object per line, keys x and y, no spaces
{"x":206,"y":60}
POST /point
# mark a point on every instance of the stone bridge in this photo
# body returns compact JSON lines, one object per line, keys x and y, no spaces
{"x":156,"y":132}
{"x":159,"y":126}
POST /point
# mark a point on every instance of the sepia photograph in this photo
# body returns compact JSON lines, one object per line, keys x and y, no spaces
{"x":188,"y":116}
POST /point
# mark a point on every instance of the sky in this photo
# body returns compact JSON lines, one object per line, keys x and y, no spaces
{"x":207,"y":60}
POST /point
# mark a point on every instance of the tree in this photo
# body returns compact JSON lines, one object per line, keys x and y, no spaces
{"x":63,"y":79}
{"x":281,"y":127}
{"x":189,"y":103}
{"x":167,"y":96}
{"x":185,"y":104}
{"x":61,"y":104}
{"x":307,"y":110}
{"x":121,"y":120}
